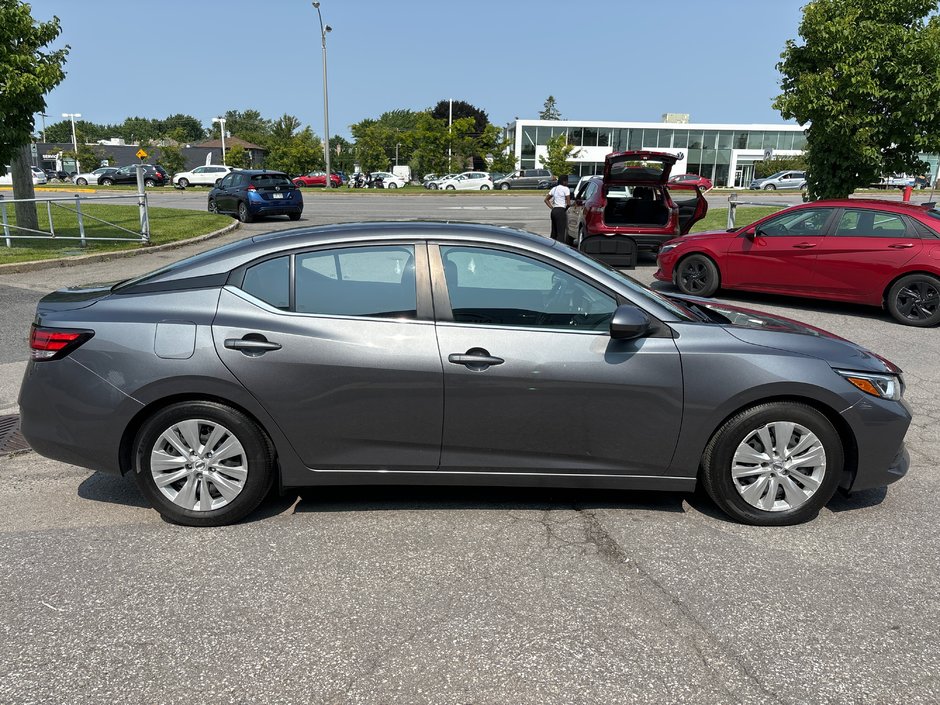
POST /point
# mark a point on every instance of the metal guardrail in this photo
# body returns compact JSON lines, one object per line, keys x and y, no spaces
{"x":142,"y":236}
{"x":733,"y":204}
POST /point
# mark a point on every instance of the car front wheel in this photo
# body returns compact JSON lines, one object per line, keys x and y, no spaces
{"x":183,"y":183}
{"x":774,"y":464}
{"x":203,"y":463}
{"x":914,"y":300}
{"x":770,"y":187}
{"x":81,"y":182}
{"x":504,"y":187}
{"x":697,"y":275}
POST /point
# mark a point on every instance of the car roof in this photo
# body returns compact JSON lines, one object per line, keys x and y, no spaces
{"x":900,"y":206}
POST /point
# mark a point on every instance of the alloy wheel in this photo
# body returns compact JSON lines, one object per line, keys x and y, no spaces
{"x":199,"y":465}
{"x":918,"y":301}
{"x":779,"y":466}
{"x":694,"y":276}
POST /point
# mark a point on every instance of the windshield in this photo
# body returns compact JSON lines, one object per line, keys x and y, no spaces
{"x":679,"y":310}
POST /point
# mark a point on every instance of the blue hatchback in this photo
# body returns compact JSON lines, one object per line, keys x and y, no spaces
{"x":249,"y":193}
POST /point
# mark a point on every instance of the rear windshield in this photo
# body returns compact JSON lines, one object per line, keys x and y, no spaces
{"x":270,"y":180}
{"x":636,"y":169}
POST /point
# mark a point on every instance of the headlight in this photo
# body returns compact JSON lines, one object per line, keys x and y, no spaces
{"x":667,"y":248}
{"x":883,"y":386}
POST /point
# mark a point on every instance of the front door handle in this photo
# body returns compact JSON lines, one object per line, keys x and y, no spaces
{"x":805,"y":245}
{"x":252,"y":344}
{"x":476,"y":359}
{"x":901,"y":245}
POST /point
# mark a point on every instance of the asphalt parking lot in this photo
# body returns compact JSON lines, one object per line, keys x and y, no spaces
{"x":446,"y":595}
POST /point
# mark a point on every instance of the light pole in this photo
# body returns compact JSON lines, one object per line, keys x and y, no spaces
{"x":221,"y":121}
{"x":72,"y":116}
{"x":326,"y":101}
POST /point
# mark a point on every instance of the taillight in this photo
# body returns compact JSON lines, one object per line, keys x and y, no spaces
{"x":55,"y":343}
{"x":251,"y":187}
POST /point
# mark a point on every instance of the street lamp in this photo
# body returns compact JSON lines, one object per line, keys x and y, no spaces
{"x":72,"y":116}
{"x":221,"y":121}
{"x":326,"y":101}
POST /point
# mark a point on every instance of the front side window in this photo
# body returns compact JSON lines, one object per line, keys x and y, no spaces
{"x":805,"y":222}
{"x":492,"y":287}
{"x":374,"y":281}
{"x":227,"y":181}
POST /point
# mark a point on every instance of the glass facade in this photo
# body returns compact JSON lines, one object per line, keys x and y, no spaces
{"x":708,"y":151}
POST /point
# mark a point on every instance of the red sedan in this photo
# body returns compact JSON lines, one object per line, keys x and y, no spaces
{"x":317,"y":178}
{"x":879,"y":253}
{"x":692,"y":180}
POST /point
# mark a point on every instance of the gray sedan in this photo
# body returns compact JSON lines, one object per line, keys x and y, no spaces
{"x":425,"y":353}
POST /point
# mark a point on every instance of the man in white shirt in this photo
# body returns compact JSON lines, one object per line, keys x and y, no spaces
{"x":559,"y":199}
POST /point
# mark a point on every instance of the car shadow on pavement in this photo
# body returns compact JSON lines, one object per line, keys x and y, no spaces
{"x":113,"y":489}
{"x":371,"y":498}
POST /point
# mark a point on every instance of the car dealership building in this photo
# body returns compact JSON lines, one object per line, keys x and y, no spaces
{"x":724,"y":153}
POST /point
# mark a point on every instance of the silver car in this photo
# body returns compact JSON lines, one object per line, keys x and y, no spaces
{"x":455,"y":354}
{"x":784,"y":180}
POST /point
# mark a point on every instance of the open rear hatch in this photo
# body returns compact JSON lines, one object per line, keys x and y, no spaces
{"x":636,"y":168}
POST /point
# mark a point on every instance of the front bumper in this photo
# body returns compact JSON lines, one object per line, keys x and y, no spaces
{"x":879,"y":427}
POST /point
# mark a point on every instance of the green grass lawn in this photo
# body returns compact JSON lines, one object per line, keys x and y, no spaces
{"x":166,"y":225}
{"x":717,"y":218}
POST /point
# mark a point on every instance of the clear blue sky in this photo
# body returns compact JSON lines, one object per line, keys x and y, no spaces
{"x":602,"y":60}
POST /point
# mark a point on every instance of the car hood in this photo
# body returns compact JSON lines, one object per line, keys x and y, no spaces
{"x":781,"y":333}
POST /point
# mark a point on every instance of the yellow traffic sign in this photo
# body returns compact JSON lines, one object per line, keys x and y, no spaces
{"x":141,"y":154}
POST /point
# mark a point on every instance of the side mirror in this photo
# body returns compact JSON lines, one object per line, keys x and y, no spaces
{"x":750,"y":234}
{"x":629,"y":323}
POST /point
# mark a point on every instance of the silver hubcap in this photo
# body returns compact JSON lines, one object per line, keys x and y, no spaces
{"x":199,"y":465}
{"x":779,"y":466}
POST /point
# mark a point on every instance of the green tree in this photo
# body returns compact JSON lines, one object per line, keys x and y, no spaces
{"x":427,"y":143}
{"x":342,"y":154}
{"x":171,"y":156}
{"x":498,"y":150}
{"x":27,"y":73}
{"x":248,"y":124}
{"x":283,"y":130}
{"x":559,"y":155}
{"x":549,"y":110}
{"x":371,"y":145}
{"x":461,"y":109}
{"x":183,"y":128}
{"x":298,"y":155}
{"x":236,"y":157}
{"x":59,"y":131}
{"x":138,"y":130}
{"x":866,"y":82}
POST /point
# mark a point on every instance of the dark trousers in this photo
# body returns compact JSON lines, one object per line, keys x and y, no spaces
{"x":560,"y":224}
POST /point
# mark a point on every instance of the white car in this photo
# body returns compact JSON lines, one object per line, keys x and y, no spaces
{"x":208,"y":175}
{"x":389,"y":180}
{"x":39,"y":176}
{"x":92,"y":176}
{"x":468,"y":181}
{"x":435,"y":183}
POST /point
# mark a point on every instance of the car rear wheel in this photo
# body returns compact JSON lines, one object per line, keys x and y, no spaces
{"x":392,"y":184}
{"x":484,"y":187}
{"x":294,"y":216}
{"x":81,"y":182}
{"x":244,"y":214}
{"x":183,"y":183}
{"x":774,"y":464}
{"x":451,"y":187}
{"x":770,"y":187}
{"x":150,"y":182}
{"x":504,"y":187}
{"x":203,"y":464}
{"x":697,"y":275}
{"x":914,"y":300}
{"x":106,"y":182}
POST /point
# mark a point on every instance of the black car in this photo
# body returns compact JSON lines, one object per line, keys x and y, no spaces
{"x":154,"y":175}
{"x":248,"y":193}
{"x":54,"y":175}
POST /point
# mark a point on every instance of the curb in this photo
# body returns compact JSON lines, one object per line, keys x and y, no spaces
{"x":20,"y":267}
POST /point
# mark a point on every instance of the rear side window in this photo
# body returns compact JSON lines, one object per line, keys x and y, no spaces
{"x":270,"y":282}
{"x":374,"y":281}
{"x":866,"y":223}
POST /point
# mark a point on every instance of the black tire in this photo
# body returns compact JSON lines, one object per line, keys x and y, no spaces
{"x":244,"y":215}
{"x":299,"y":184}
{"x":433,"y":187}
{"x":258,"y":458}
{"x":484,"y":187}
{"x":106,"y":182}
{"x":451,"y":187}
{"x":504,"y":187}
{"x":697,"y":275}
{"x":294,"y":216}
{"x":770,"y":187}
{"x":81,"y":182}
{"x":914,"y":300}
{"x":183,"y":183}
{"x":213,"y":208}
{"x":392,"y":184}
{"x":150,"y":183}
{"x":717,"y":461}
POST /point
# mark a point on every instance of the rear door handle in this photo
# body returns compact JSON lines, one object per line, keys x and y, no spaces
{"x":901,"y":245}
{"x":253,"y":346}
{"x":475,"y":359}
{"x":805,"y":245}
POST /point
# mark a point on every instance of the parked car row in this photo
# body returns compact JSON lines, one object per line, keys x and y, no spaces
{"x":39,"y":176}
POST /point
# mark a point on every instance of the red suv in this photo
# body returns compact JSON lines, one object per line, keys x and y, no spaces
{"x":632,"y":207}
{"x":317,"y":178}
{"x":880,"y":253}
